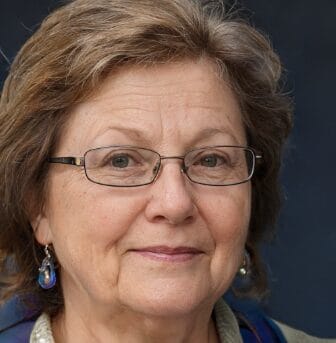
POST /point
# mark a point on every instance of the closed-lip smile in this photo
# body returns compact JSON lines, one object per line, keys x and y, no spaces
{"x":169,"y":254}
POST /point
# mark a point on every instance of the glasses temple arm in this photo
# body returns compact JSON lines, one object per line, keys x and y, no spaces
{"x":75,"y":161}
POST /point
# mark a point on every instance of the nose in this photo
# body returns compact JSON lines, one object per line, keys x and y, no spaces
{"x":171,"y":199}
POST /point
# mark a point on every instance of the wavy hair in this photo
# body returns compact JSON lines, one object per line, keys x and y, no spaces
{"x":66,"y":59}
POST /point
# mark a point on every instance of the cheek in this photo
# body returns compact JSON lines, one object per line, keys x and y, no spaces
{"x":228,"y":212}
{"x":87,"y":225}
{"x":97,"y":212}
{"x":228,"y":216}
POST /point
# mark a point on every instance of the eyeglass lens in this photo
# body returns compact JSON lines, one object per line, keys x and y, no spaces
{"x":133,"y":166}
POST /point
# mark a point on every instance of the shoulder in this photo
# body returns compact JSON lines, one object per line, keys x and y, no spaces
{"x":33,"y":331}
{"x":297,"y":336}
{"x":256,"y":326}
{"x":16,"y":323}
{"x":18,"y":333}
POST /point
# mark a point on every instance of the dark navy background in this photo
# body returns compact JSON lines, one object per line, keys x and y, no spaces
{"x":302,"y":259}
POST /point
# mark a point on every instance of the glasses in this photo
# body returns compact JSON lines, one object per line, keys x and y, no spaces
{"x":130,"y":166}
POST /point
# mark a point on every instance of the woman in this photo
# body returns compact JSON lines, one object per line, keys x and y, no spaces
{"x":140,"y":150}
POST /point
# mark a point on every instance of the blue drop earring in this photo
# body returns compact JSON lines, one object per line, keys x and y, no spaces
{"x":47,"y":274}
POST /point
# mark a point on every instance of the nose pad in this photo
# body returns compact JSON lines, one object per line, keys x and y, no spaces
{"x":156,"y":168}
{"x":183,"y":169}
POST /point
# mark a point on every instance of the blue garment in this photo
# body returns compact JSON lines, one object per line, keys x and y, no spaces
{"x":16,"y":323}
{"x":255,"y":326}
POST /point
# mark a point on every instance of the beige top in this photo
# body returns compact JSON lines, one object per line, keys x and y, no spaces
{"x":296,"y":336}
{"x":226,"y":325}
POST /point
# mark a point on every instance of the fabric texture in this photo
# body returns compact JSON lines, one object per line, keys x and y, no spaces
{"x":41,"y":332}
{"x":297,"y":336}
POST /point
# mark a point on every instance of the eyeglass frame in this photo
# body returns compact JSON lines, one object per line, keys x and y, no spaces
{"x":80,"y":162}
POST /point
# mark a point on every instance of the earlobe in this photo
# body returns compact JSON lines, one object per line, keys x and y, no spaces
{"x":41,"y":229}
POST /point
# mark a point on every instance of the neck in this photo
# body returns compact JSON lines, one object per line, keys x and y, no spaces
{"x":126,"y":326}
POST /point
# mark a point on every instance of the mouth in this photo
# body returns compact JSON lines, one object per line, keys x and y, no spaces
{"x":168,"y":254}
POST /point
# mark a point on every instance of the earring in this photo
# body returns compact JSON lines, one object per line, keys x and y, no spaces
{"x":245,"y":267}
{"x":47,"y":275}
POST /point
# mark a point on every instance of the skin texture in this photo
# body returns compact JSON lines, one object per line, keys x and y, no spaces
{"x":112,"y":293}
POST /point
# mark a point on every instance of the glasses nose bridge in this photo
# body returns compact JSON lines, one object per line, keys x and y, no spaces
{"x":181,"y":158}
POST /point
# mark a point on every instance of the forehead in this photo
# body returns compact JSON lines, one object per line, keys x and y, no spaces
{"x":182,"y":102}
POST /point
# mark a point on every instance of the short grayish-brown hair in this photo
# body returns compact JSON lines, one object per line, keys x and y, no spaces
{"x":73,"y":51}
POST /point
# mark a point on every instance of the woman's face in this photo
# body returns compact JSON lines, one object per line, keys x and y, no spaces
{"x":113,"y":244}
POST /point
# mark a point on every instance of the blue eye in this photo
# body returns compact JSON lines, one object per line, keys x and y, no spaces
{"x":120,"y":161}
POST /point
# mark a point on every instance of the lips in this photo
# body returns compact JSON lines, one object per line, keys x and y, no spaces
{"x":169,"y":254}
{"x":170,"y":251}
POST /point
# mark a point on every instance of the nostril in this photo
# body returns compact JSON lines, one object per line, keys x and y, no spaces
{"x":159,"y":219}
{"x":189,"y":220}
{"x":173,"y":221}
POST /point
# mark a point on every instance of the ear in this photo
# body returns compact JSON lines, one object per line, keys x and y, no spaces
{"x":41,"y":228}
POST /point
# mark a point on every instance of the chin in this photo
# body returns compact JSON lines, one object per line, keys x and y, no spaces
{"x":169,"y":299}
{"x":165,"y":308}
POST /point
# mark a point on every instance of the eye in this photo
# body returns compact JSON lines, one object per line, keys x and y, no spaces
{"x":211,"y":161}
{"x":120,"y":161}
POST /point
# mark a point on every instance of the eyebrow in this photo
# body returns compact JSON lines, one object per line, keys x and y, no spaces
{"x":209,"y":132}
{"x":135,"y":134}
{"x":141,"y":136}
